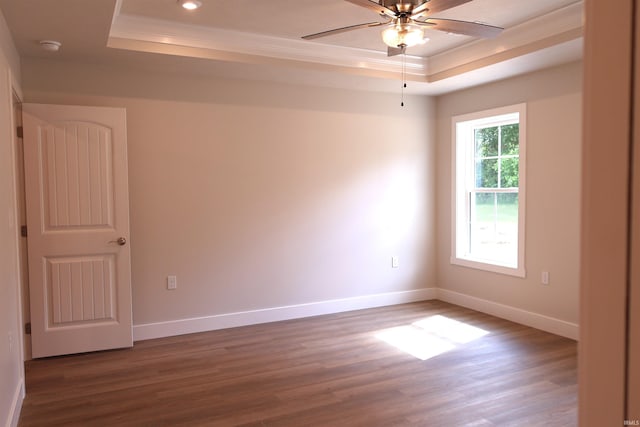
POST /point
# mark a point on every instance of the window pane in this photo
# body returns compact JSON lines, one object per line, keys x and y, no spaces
{"x":509,"y":172}
{"x":510,"y":135}
{"x":494,"y":227}
{"x":486,"y":142}
{"x":507,"y":207}
{"x":487,"y":173}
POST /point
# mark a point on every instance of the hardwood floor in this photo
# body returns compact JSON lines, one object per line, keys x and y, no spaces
{"x":324,"y":371}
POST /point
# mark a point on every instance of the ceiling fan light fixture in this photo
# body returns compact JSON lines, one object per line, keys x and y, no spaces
{"x":190,"y":4}
{"x":402,"y":35}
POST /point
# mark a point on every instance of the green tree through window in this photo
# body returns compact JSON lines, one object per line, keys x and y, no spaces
{"x":497,"y":150}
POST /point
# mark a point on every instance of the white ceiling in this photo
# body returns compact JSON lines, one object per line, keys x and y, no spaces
{"x":259,"y":39}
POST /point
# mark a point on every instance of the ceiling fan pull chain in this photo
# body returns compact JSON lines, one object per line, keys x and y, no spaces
{"x":404,"y":79}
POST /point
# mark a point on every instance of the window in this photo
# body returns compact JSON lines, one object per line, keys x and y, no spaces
{"x":488,"y":187}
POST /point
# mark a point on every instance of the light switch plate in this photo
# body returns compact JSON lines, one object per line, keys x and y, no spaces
{"x":172,"y":282}
{"x":545,"y":278}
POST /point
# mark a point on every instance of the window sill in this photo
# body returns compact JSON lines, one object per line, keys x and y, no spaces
{"x":494,"y":268}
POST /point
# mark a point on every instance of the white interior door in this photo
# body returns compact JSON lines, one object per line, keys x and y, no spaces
{"x":78,"y":228}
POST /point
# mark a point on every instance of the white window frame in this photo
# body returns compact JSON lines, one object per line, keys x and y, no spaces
{"x":462,"y":179}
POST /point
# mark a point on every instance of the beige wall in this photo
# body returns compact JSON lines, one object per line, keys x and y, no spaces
{"x":11,"y":368}
{"x":262,"y":195}
{"x":553,"y":99}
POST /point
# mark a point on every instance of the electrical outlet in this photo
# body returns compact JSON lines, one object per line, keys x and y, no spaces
{"x":172,"y":282}
{"x":395,"y":261}
{"x":545,"y":278}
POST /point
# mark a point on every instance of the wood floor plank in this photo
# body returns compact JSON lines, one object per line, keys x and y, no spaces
{"x":332,"y":370}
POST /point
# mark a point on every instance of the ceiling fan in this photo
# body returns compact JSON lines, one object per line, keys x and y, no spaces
{"x":407,"y":19}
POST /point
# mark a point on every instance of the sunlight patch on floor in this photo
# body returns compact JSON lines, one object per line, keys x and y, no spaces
{"x":431,"y":336}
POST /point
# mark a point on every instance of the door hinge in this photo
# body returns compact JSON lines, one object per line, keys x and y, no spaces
{"x":27,"y":328}
{"x":23,"y":231}
{"x":20,"y":131}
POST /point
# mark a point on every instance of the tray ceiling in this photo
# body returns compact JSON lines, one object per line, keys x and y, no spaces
{"x":262,"y":40}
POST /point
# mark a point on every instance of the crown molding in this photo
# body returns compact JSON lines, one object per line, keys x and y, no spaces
{"x":140,"y":29}
{"x":554,"y":28}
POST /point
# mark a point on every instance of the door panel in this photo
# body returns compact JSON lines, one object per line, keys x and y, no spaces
{"x":82,"y":289}
{"x":77,"y":209}
{"x":77,"y":161}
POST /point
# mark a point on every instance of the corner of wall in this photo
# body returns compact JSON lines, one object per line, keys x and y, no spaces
{"x":275,"y":314}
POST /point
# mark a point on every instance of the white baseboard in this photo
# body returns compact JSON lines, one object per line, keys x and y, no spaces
{"x":274,"y":314}
{"x":16,"y":405}
{"x":524,"y":317}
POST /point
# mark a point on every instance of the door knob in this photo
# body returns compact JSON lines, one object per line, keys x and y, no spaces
{"x":120,"y":241}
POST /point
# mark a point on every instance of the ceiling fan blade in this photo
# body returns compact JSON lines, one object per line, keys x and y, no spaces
{"x":343,"y":30}
{"x":376,"y":7}
{"x":463,"y":27}
{"x":435,"y":6}
{"x":393,"y":51}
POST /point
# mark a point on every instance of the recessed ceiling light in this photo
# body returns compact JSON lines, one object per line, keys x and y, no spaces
{"x":50,"y":45}
{"x":190,"y":4}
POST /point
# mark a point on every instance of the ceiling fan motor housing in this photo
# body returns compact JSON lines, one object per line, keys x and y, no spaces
{"x":391,"y":4}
